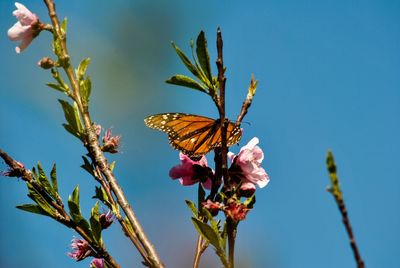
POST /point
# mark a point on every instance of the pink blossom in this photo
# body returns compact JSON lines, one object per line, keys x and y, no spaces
{"x":106,"y":219}
{"x":110,"y":143}
{"x":248,"y":161}
{"x":236,"y":211}
{"x":97,"y":263}
{"x":25,"y":29}
{"x":213,"y":207}
{"x":13,"y":172}
{"x":190,"y":172}
{"x":80,"y":249}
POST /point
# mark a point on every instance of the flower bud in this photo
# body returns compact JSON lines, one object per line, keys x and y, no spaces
{"x":97,"y":263}
{"x":212,"y":207}
{"x":236,"y":210}
{"x":106,"y":219}
{"x":46,"y":63}
{"x":13,"y":172}
{"x":110,"y":143}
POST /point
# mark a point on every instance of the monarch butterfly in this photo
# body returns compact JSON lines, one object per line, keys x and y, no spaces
{"x":194,"y":135}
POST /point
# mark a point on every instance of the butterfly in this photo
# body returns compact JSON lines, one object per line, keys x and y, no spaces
{"x":193,"y":135}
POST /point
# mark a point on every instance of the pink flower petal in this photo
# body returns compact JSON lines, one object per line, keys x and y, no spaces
{"x":22,"y":30}
{"x":24,"y":44}
{"x":186,"y":173}
{"x":24,"y":15}
{"x":249,"y":160}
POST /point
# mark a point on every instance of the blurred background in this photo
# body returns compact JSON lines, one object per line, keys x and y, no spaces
{"x":328,"y":76}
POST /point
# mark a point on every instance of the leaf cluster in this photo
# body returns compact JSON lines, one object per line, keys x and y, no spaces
{"x":200,"y":67}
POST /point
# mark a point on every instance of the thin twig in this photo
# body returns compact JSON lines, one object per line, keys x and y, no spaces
{"x":98,"y":176}
{"x":221,"y":109}
{"x":335,"y":190}
{"x":95,"y":149}
{"x":231,"y":231}
{"x":200,"y":248}
{"x":247,"y":102}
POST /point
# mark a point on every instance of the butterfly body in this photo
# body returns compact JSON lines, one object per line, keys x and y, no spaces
{"x":194,"y":135}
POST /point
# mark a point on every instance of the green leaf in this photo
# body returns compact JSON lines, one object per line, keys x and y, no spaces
{"x":75,"y":210}
{"x":224,"y":235}
{"x":33,"y":209}
{"x":53,"y":176}
{"x":214,"y":223}
{"x":87,"y":166}
{"x":71,"y":130}
{"x":203,"y":56}
{"x":64,"y":26}
{"x":182,"y":80}
{"x":56,"y":75}
{"x":71,"y":114}
{"x":186,"y":61}
{"x":86,"y":88}
{"x":207,"y":233}
{"x":202,"y":76}
{"x":129,"y":225}
{"x":34,"y":173}
{"x":57,"y":87}
{"x":44,"y":181}
{"x":112,"y":165}
{"x":101,"y":194}
{"x":74,"y":206}
{"x":81,"y":71}
{"x":40,"y":200}
{"x":192,"y":207}
{"x":95,"y":223}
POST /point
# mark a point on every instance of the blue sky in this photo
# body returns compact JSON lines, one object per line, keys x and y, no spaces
{"x":328,"y":76}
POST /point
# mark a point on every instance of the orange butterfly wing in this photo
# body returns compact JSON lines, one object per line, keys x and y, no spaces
{"x":194,"y":135}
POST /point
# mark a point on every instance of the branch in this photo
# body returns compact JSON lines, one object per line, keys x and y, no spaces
{"x":18,"y":170}
{"x":98,"y":177}
{"x":94,"y":148}
{"x":221,"y":106}
{"x":335,"y":190}
{"x":224,"y":148}
{"x":200,"y":248}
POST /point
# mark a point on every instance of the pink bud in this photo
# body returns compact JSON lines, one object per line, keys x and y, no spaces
{"x":213,"y":207}
{"x":46,"y":63}
{"x":97,"y":263}
{"x":14,"y":172}
{"x":110,"y":143}
{"x":236,"y":211}
{"x":106,"y":219}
